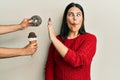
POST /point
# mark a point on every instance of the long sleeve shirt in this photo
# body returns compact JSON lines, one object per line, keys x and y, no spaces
{"x":77,"y":61}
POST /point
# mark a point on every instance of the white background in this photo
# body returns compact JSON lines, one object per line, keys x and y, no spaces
{"x":102,"y":18}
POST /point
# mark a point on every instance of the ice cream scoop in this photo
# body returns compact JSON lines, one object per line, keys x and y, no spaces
{"x":32,"y":37}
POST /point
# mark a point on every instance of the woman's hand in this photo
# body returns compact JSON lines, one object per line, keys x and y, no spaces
{"x":51,"y":32}
{"x":60,"y":47}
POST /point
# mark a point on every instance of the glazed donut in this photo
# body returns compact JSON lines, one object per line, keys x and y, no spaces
{"x":36,"y":20}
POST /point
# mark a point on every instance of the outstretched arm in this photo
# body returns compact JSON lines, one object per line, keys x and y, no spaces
{"x":14,"y":27}
{"x":61,"y":48}
{"x":30,"y":49}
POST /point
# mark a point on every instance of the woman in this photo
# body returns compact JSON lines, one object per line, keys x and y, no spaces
{"x":71,"y":52}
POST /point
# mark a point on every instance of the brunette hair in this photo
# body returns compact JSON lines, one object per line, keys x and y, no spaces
{"x":64,"y":27}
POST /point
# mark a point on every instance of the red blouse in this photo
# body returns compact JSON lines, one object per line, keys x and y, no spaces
{"x":76,"y":63}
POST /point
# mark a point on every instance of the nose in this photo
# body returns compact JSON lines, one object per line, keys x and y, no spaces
{"x":74,"y":17}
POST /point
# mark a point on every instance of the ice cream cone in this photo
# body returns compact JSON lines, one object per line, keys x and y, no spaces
{"x":32,"y":37}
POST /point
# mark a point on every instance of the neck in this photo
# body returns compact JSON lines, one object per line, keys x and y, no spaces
{"x":72,"y":35}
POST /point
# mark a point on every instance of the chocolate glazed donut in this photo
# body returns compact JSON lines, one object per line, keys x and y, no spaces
{"x":36,"y":20}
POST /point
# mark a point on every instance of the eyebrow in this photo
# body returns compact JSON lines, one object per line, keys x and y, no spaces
{"x":77,"y":12}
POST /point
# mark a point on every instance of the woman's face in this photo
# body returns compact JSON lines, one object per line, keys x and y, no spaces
{"x":74,"y":19}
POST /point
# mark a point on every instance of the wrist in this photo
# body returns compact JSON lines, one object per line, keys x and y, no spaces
{"x":20,"y":26}
{"x":23,"y":52}
{"x":53,"y":38}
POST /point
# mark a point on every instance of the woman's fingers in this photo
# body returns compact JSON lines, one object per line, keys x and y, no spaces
{"x":49,"y":21}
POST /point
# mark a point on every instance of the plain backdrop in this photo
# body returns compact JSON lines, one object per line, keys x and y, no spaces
{"x":102,"y":18}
